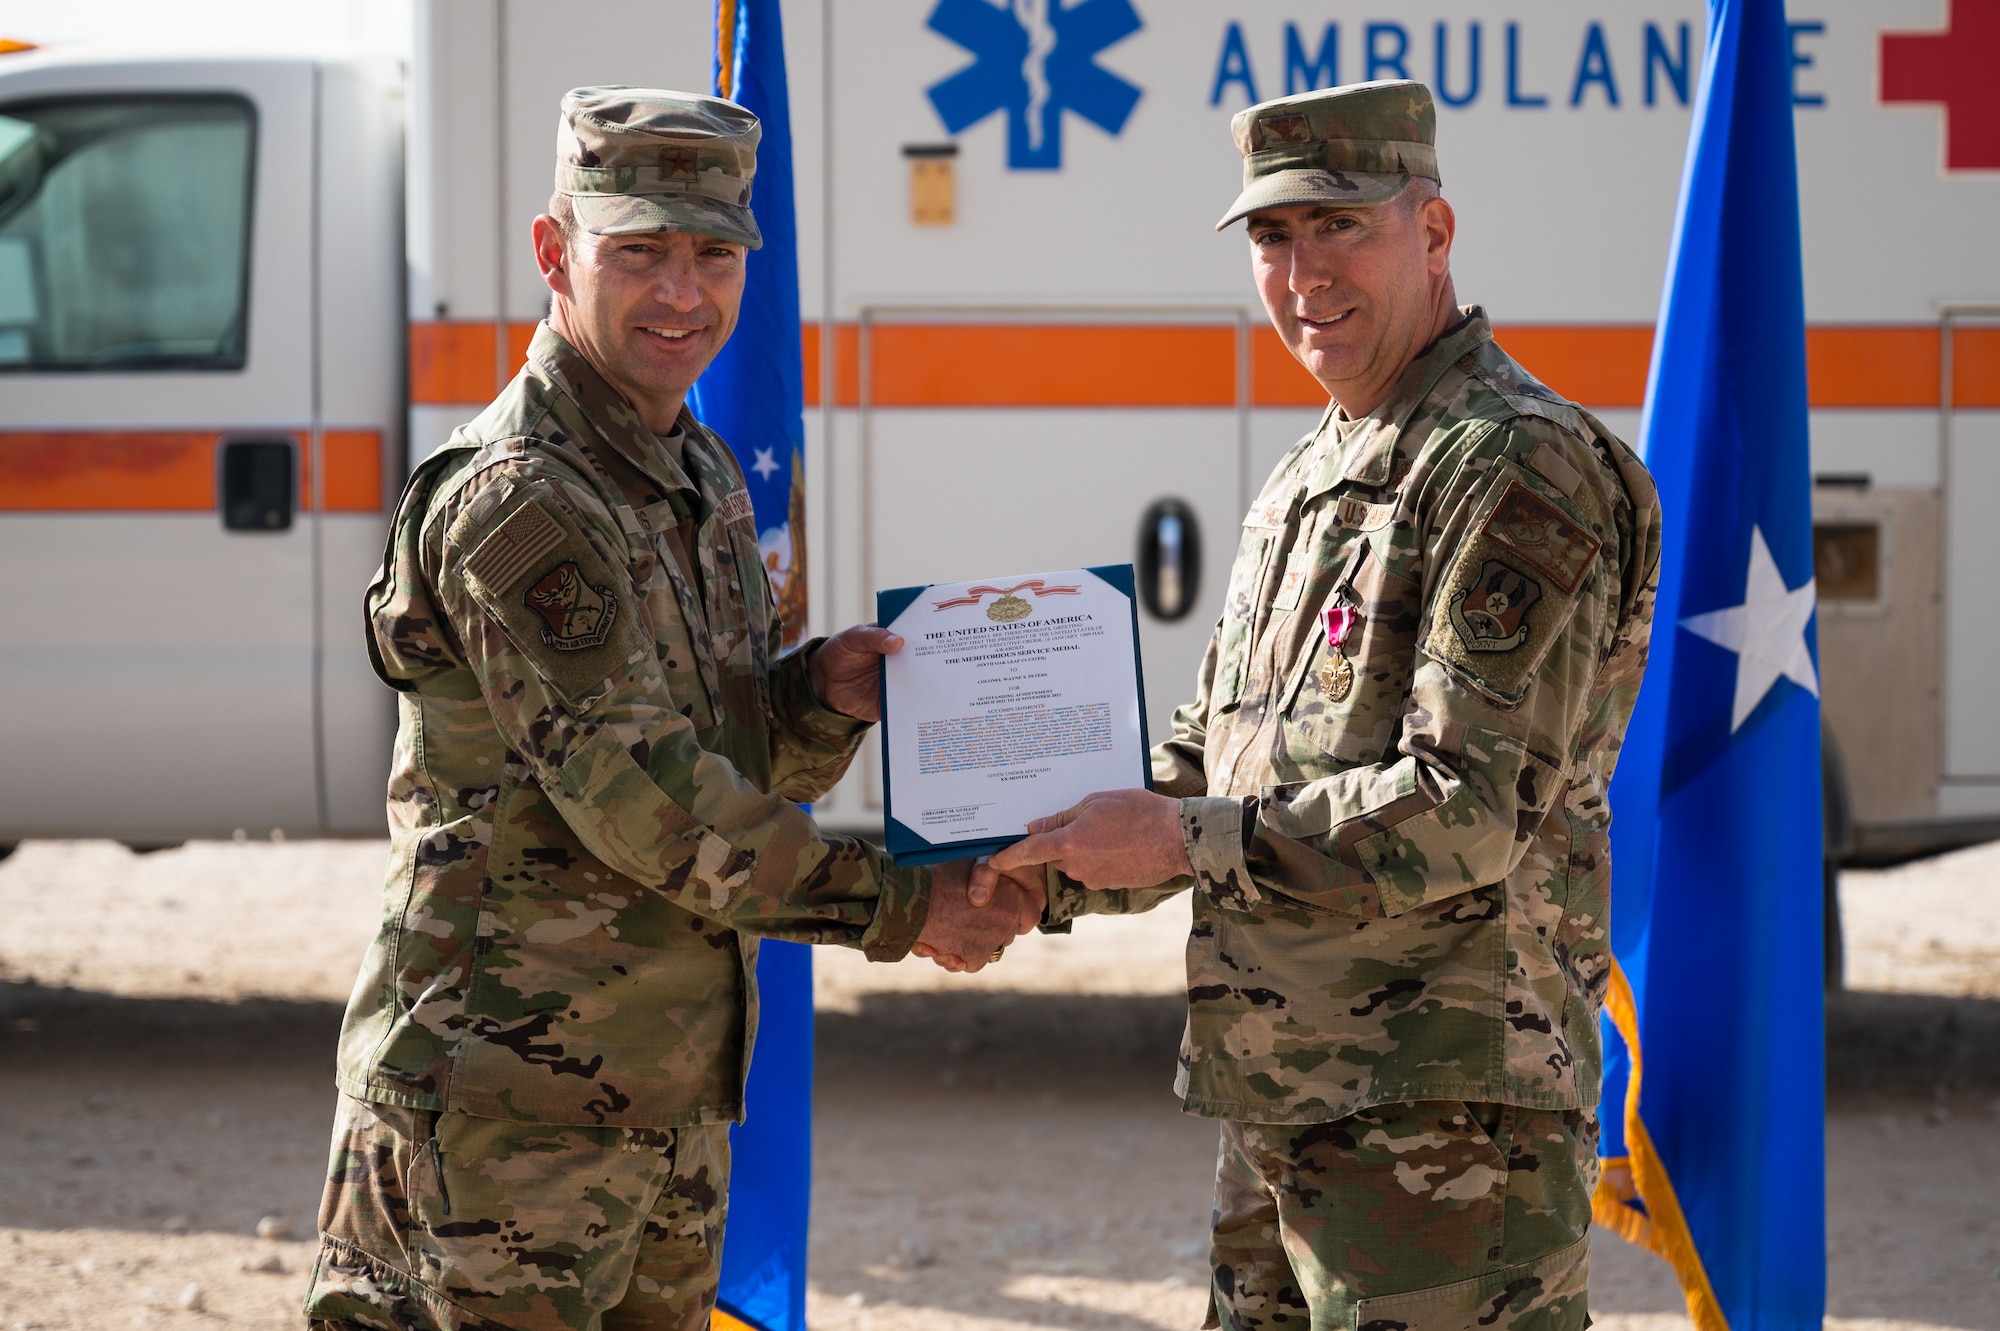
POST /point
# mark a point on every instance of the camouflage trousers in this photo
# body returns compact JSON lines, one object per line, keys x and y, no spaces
{"x":445,"y":1222}
{"x":1438,"y":1216}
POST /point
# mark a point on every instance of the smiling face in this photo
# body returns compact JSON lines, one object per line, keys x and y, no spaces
{"x":648,"y":311}
{"x":1356,"y":293}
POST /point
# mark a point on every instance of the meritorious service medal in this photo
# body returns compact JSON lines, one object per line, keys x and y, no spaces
{"x":1336,"y":675}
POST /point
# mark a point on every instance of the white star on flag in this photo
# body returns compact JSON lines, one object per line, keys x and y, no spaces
{"x":1767,"y":632}
{"x":765,"y":464}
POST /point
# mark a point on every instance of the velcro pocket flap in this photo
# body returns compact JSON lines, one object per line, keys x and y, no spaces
{"x":1511,"y":589}
{"x":561,"y":604}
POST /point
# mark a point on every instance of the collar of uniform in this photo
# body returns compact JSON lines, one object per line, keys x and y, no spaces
{"x":614,"y":419}
{"x":711,"y":467}
{"x":1367,"y":453}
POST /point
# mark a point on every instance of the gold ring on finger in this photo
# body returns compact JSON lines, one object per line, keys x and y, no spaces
{"x":996,"y":955}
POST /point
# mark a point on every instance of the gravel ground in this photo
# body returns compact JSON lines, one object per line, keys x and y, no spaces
{"x":997,"y":1151}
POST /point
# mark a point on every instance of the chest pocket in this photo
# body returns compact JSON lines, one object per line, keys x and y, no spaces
{"x":1361,"y":724}
{"x":678,"y":618}
{"x":1243,"y":609}
{"x":735,"y":593}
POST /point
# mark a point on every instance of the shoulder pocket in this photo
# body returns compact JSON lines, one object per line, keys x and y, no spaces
{"x":1512,"y":587}
{"x":561,"y":604}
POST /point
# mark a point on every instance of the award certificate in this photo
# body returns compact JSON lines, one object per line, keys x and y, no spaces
{"x":1011,"y":699}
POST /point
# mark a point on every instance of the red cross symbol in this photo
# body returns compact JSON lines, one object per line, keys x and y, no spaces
{"x":1955,"y":68}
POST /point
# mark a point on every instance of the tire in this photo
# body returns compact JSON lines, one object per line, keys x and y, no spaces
{"x":1837,"y":838}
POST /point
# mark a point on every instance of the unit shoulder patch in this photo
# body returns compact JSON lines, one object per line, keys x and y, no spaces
{"x":574,"y":614}
{"x":1490,"y":613}
{"x":1509,"y":592}
{"x":542,"y":580}
{"x":1536,"y":530}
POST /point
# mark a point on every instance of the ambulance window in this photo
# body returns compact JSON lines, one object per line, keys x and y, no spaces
{"x":1847,"y":561}
{"x":124,"y":233}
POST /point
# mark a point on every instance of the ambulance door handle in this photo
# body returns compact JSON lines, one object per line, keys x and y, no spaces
{"x":1169,"y":559}
{"x":259,"y":484}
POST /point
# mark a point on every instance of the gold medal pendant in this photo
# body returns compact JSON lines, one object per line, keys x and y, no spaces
{"x":1336,"y":679}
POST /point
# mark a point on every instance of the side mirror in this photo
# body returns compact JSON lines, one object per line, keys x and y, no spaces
{"x":1169,"y":559}
{"x":23,"y":160}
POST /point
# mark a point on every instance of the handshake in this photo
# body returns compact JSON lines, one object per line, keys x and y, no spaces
{"x":1110,"y":840}
{"x":976,"y":911}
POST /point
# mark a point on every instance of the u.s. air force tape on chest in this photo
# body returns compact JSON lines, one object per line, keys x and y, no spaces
{"x":1509,"y":593}
{"x":552,"y":592}
{"x":734,"y":506}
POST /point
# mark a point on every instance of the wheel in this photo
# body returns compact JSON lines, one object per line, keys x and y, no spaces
{"x":1837,"y":838}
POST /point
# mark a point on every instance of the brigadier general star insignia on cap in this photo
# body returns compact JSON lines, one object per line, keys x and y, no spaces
{"x":1356,"y":146}
{"x":645,"y":159}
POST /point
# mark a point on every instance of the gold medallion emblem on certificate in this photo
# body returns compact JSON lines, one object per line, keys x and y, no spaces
{"x":1008,"y":609}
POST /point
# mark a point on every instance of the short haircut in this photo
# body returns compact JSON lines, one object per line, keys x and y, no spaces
{"x":562,"y":209}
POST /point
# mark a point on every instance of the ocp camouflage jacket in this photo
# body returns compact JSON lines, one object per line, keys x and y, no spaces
{"x":1402,"y":884}
{"x":591,"y":801}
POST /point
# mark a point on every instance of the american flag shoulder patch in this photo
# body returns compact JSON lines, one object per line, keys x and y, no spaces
{"x":511,"y":551}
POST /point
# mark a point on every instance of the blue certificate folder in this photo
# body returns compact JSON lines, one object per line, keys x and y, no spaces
{"x":906,"y":846}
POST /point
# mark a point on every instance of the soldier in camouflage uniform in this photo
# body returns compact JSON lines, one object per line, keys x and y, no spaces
{"x":591,"y":805}
{"x":1389,"y":793}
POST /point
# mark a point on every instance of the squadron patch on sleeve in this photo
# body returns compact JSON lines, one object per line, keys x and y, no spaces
{"x":575,"y":615}
{"x":1508,"y":593}
{"x":542,"y":579}
{"x":1491,"y":613}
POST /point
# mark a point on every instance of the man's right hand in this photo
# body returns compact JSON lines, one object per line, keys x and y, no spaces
{"x":962,"y":937}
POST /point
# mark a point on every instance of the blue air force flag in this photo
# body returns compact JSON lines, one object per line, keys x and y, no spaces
{"x":1714,"y":1088}
{"x":753,"y":396}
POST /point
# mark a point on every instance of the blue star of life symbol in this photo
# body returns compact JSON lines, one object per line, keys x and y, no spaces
{"x":1034,"y":59}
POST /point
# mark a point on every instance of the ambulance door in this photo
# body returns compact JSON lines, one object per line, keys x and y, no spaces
{"x":945,"y":493}
{"x":156,"y":620}
{"x":1971,"y":438}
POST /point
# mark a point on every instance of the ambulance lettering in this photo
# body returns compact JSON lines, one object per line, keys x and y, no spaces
{"x":1654,"y":64}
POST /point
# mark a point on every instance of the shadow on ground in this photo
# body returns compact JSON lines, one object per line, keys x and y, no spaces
{"x":1875,"y":1041}
{"x":1911,"y":1042}
{"x":40,"y":1024}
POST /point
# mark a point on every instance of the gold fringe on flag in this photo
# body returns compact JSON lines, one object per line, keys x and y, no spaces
{"x":1635,"y":1199}
{"x":725,"y":49}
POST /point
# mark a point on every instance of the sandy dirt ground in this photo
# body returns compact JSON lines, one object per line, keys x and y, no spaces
{"x":993,"y":1152}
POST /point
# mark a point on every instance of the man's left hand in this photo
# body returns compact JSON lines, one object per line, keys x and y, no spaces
{"x":846,"y":670}
{"x":1113,"y":839}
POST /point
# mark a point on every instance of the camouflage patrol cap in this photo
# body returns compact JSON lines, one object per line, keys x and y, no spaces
{"x":646,"y":159}
{"x":1358,"y":145}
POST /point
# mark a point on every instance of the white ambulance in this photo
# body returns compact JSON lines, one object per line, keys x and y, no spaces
{"x":239,"y":297}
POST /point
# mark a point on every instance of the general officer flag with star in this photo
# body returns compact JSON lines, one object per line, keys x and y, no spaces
{"x":753,"y":395}
{"x":1714,"y":1094}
